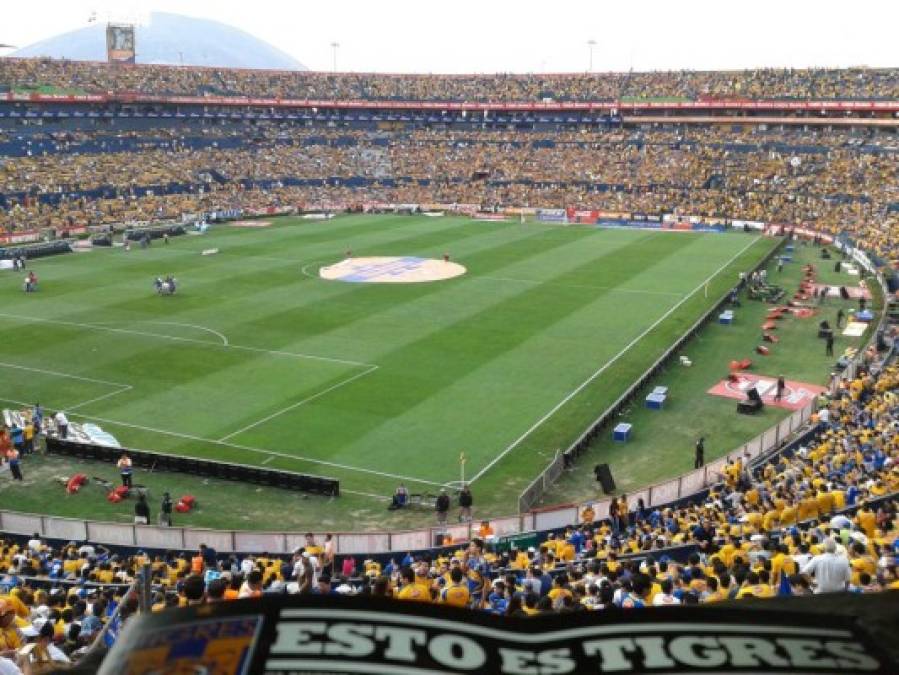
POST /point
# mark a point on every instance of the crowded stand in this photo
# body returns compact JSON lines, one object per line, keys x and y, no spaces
{"x":95,"y":77}
{"x":832,"y":181}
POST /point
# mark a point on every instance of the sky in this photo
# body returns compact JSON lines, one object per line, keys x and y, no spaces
{"x":523,"y":36}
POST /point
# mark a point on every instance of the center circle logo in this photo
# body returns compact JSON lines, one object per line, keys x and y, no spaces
{"x":391,"y":270}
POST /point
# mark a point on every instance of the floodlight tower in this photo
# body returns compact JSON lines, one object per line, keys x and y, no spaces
{"x":334,"y":46}
{"x":591,"y":43}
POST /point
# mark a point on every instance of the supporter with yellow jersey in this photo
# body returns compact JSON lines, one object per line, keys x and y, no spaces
{"x":754,"y":588}
{"x":456,"y":594}
{"x":410,"y":589}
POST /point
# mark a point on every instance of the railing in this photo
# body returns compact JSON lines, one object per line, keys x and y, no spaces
{"x":176,"y":538}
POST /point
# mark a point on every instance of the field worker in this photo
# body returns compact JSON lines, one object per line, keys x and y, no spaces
{"x":125,"y":469}
{"x":165,"y":510}
{"x":62,"y":424}
{"x":465,"y":502}
{"x":14,"y":468}
{"x":442,"y":505}
{"x":29,"y":437}
{"x":17,"y":434}
{"x":141,"y":511}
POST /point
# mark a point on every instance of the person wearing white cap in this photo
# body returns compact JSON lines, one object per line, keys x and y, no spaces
{"x":830,"y":571}
{"x":62,"y":424}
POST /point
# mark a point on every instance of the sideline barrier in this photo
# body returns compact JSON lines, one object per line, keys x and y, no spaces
{"x":288,"y":480}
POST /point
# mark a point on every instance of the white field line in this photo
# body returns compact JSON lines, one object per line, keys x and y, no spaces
{"x":16,"y":366}
{"x":614,"y":289}
{"x":120,"y":388}
{"x":175,"y":338}
{"x":192,"y":325}
{"x":606,"y":365}
{"x":370,"y":495}
{"x":219,"y":335}
{"x":380,"y":498}
{"x":127,"y":387}
{"x":293,"y":406}
{"x":247,"y":448}
{"x":305,"y":269}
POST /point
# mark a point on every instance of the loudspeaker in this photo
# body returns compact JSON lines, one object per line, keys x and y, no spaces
{"x":604,"y":476}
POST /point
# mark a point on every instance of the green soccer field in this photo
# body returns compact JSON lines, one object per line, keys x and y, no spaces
{"x":258,"y":360}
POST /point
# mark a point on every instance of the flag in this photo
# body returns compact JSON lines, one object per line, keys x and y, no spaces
{"x":784,"y":590}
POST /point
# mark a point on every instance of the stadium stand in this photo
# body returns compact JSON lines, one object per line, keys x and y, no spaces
{"x":32,"y":74}
{"x":829,"y":180}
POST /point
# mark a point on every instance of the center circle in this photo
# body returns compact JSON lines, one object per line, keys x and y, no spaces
{"x":391,"y":270}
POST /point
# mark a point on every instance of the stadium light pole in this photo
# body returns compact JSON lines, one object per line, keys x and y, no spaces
{"x":591,"y":44}
{"x":334,"y":46}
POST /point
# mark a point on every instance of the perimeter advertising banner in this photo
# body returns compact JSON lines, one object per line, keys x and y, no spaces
{"x":20,"y":237}
{"x":552,"y":215}
{"x":326,"y":634}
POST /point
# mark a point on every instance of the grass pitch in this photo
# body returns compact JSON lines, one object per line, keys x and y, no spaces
{"x":257,"y":360}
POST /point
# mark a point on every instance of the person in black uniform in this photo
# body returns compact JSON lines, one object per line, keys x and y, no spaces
{"x":442,"y":505}
{"x":165,"y":510}
{"x":141,"y":511}
{"x":699,"y":459}
{"x":465,"y":502}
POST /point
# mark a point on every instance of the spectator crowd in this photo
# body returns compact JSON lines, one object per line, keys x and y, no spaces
{"x":832,"y":181}
{"x":790,"y":83}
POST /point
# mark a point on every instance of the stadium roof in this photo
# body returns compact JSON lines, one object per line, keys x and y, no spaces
{"x":171,"y":39}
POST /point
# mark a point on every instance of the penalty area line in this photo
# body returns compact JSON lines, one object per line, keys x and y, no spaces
{"x":296,"y":405}
{"x":127,"y":387}
{"x":176,"y":338}
{"x":121,"y":388}
{"x":607,"y":364}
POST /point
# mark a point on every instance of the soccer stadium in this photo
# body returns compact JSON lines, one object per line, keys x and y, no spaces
{"x":378,"y":372}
